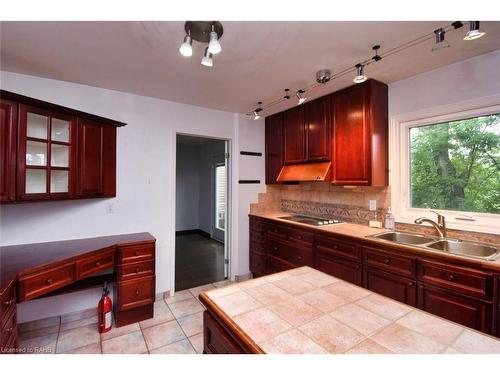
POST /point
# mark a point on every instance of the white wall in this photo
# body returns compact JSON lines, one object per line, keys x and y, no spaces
{"x":187,"y":198}
{"x":145,"y":177}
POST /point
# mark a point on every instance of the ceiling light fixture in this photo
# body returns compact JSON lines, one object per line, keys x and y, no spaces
{"x":376,"y":57}
{"x":474,"y":32}
{"x":207,"y":59}
{"x":300,"y":96}
{"x":256,"y":112}
{"x":323,"y":76}
{"x":360,"y":75}
{"x":441,"y":43}
{"x":186,"y":48}
{"x":213,"y":45}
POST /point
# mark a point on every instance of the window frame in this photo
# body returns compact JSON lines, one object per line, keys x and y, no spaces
{"x":399,"y":170}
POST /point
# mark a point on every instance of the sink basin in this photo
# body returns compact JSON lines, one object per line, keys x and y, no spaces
{"x":465,"y":248}
{"x":404,"y":238}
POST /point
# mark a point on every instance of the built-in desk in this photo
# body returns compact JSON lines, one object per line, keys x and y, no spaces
{"x":35,"y":270}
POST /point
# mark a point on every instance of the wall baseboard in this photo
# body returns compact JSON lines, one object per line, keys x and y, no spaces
{"x":192,"y":231}
{"x":244,"y":277}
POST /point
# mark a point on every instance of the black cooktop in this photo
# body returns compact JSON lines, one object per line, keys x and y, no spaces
{"x":310,"y":220}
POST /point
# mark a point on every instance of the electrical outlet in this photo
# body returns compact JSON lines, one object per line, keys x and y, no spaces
{"x":373,"y":205}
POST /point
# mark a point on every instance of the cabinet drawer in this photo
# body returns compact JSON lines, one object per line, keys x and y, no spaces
{"x":257,"y":247}
{"x":9,"y":328}
{"x":469,"y":281}
{"x":95,"y":263}
{"x":257,"y":264}
{"x":31,"y":286}
{"x":136,"y":253}
{"x":396,"y":287}
{"x":275,"y":264}
{"x":405,"y":266}
{"x":275,"y":230}
{"x":299,"y":256}
{"x":301,"y":237}
{"x":8,"y":301}
{"x":215,"y":338}
{"x":255,"y":225}
{"x":341,"y":249}
{"x":343,"y":269}
{"x":135,"y":270}
{"x":135,"y":293}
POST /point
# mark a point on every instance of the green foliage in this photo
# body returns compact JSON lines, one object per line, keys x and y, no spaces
{"x":456,"y":165}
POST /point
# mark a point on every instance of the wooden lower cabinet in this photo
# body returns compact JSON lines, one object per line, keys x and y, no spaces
{"x":343,"y":269}
{"x":215,"y":338}
{"x":275,"y":264}
{"x":396,"y":287}
{"x":456,"y":307}
{"x":258,"y":265}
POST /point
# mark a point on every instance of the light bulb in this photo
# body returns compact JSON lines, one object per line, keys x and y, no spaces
{"x":360,"y":76}
{"x":256,"y":115}
{"x":300,"y":96}
{"x":207,"y":59}
{"x":474,"y":32}
{"x":214,"y":46}
{"x":186,"y":48}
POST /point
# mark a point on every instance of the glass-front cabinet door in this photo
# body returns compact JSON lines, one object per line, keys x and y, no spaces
{"x":46,"y":154}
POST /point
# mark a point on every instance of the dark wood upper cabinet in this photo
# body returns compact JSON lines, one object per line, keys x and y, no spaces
{"x":274,"y":147}
{"x":96,"y":160}
{"x":317,"y":116}
{"x":8,"y":140}
{"x":50,"y":152}
{"x":294,"y":136}
{"x":360,"y":131}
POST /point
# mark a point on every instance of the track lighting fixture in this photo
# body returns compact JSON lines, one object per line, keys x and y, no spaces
{"x":300,"y":96}
{"x":376,"y":57}
{"x":441,"y":43}
{"x":256,"y":112}
{"x":360,"y":75}
{"x":287,"y":94}
{"x":208,"y":32}
{"x":207,"y":59}
{"x":323,"y":76}
{"x":474,"y":32}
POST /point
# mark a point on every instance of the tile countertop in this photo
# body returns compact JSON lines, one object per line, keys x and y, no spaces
{"x":305,"y":311}
{"x":358,"y":231}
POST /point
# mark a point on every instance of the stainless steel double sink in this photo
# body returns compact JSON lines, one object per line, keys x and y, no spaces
{"x":455,"y":247}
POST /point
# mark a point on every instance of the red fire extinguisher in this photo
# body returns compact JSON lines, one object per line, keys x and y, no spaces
{"x":105,"y":311}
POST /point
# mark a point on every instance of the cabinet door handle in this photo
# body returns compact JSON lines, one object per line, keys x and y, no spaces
{"x":97,"y":264}
{"x":300,"y":257}
{"x":9,"y":330}
{"x":387,"y":261}
{"x":8,"y":303}
{"x":299,"y":237}
{"x":275,"y":248}
{"x":356,"y":266}
{"x":48,"y":281}
{"x":137,"y":270}
{"x":137,"y":292}
{"x":137,"y":253}
{"x":410,"y":284}
{"x":451,"y":277}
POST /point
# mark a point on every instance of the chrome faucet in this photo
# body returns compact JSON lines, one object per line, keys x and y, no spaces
{"x":440,"y":226}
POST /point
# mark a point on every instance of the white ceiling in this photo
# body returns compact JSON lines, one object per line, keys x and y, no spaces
{"x":258,"y":59}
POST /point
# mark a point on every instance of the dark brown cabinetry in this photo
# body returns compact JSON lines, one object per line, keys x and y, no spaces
{"x":340,"y":259}
{"x":50,"y":152}
{"x":294,"y":136}
{"x":360,"y":150}
{"x":8,"y":141}
{"x":274,"y":147}
{"x":317,"y":117}
{"x":396,"y":287}
{"x":216,"y":339}
{"x":8,"y":319}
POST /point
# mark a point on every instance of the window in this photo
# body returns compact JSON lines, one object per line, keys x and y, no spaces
{"x":449,"y":163}
{"x":220,"y":196}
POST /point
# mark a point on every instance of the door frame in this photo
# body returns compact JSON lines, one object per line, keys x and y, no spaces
{"x":228,"y":249}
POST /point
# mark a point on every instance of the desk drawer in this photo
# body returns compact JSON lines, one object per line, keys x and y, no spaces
{"x":8,"y":301}
{"x":135,"y":270}
{"x":9,"y":329}
{"x":399,"y":264}
{"x":468,"y":281}
{"x":34,"y":285}
{"x":136,"y":292}
{"x":136,"y":253}
{"x":93,"y":264}
{"x":299,"y":256}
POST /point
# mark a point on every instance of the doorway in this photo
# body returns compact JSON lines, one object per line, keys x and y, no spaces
{"x":201,"y":225}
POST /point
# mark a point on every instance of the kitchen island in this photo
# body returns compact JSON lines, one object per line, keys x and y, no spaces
{"x":305,"y":311}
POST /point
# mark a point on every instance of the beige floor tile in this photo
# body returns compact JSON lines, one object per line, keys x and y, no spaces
{"x":197,"y":343}
{"x":163,"y":334}
{"x":249,"y":284}
{"x":384,"y":306}
{"x":431,"y":326}
{"x":89,"y":349}
{"x":192,"y":324}
{"x":402,"y":340}
{"x":203,"y":288}
{"x":261,"y":324}
{"x":318,"y":279}
{"x":237,"y":303}
{"x":322,"y":300}
{"x":39,"y":324}
{"x":123,"y":330}
{"x":161,"y":314}
{"x":179,"y":347}
{"x":186,"y":307}
{"x":369,"y":347}
{"x":291,"y":342}
{"x":79,"y":323}
{"x":132,"y":343}
{"x":179,"y":296}
{"x":39,"y":345}
{"x":360,"y":319}
{"x":470,"y":342}
{"x":268,"y":294}
{"x":332,"y":335}
{"x":294,"y":285}
{"x":38,"y":333}
{"x":77,"y":337}
{"x":295,"y":311}
{"x":347,"y":291}
{"x":79,"y":315}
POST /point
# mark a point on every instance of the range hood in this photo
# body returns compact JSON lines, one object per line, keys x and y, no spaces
{"x":305,"y":172}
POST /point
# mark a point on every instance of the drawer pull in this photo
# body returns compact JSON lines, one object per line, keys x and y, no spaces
{"x":275,"y":248}
{"x":300,"y":257}
{"x":299,"y":237}
{"x":356,"y":266}
{"x":451,"y":277}
{"x":97,"y":264}
{"x":8,"y":303}
{"x":137,"y":270}
{"x":137,"y":253}
{"x":410,"y":284}
{"x":387,"y":261}
{"x":48,"y":281}
{"x":137,"y":292}
{"x":9,"y":330}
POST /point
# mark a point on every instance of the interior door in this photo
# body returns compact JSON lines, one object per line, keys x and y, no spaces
{"x":220,"y":194}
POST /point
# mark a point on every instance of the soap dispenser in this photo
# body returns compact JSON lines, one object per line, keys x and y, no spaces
{"x":389,"y":220}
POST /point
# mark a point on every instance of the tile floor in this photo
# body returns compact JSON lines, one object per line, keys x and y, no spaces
{"x":176,"y":328}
